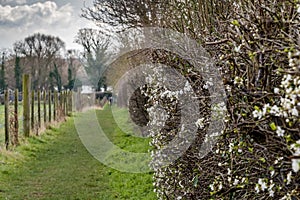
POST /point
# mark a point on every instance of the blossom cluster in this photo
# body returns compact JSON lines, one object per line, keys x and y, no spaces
{"x":287,"y":108}
{"x":257,"y":156}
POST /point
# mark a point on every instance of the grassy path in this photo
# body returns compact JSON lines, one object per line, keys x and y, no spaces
{"x":57,"y":166}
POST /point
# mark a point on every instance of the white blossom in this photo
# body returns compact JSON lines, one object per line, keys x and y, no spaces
{"x":229,"y":171}
{"x":271,"y":191}
{"x":187,"y":87}
{"x":236,"y":181}
{"x":277,"y":160}
{"x":280,"y":131}
{"x":205,"y":86}
{"x":276,"y":90}
{"x":208,"y":84}
{"x":228,"y":88}
{"x":238,"y":81}
{"x":295,"y":165}
{"x":289,"y":178}
{"x":296,"y":162}
{"x":212,"y":188}
{"x":294,"y":112}
{"x":220,"y":186}
{"x":237,"y":48}
{"x":263,"y":184}
{"x":272,"y":173}
{"x":275,"y":110}
{"x":257,"y":114}
{"x":286,"y":197}
{"x":257,"y":188}
{"x":200,"y":123}
{"x":243,"y":179}
{"x":180,"y":184}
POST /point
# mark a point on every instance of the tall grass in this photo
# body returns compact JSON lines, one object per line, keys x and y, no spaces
{"x":20,"y":117}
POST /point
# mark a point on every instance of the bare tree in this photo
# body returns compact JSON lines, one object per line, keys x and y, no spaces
{"x":95,"y":44}
{"x":73,"y":59}
{"x":126,"y":14}
{"x":5,"y":56}
{"x":41,"y":51}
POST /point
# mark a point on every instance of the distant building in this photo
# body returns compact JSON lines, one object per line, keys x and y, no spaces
{"x":109,"y":88}
{"x":87,"y":89}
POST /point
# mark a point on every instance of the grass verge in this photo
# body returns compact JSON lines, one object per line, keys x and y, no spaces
{"x":20,"y":117}
{"x":57,"y":166}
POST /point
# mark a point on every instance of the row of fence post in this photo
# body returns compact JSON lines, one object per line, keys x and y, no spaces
{"x":55,"y":107}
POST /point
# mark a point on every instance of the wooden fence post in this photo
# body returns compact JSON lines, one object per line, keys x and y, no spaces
{"x":71,"y":101}
{"x":65,"y":103}
{"x":32,"y":110}
{"x":45,"y":111}
{"x":68,"y":102}
{"x":6,"y":123}
{"x":79,"y":108}
{"x":16,"y":119}
{"x":49,"y":105}
{"x":55,"y":106}
{"x":39,"y":107}
{"x":26,"y":105}
{"x":62,"y":103}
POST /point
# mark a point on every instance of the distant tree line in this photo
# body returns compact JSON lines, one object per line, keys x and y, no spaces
{"x":45,"y":58}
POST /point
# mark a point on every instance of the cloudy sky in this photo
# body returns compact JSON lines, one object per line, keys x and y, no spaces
{"x":20,"y":18}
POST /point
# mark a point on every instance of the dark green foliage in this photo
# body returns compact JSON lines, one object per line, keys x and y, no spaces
{"x":102,"y":84}
{"x":2,"y":74}
{"x":71,"y":80}
{"x":55,"y":79}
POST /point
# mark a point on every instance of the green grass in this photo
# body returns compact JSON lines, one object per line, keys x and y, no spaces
{"x":123,"y":129}
{"x":57,"y":166}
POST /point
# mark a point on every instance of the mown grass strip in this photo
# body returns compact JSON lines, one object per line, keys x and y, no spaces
{"x":57,"y":166}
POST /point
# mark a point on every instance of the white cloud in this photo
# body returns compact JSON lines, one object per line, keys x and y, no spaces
{"x":20,"y":21}
{"x":12,"y":2}
{"x":38,"y":14}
